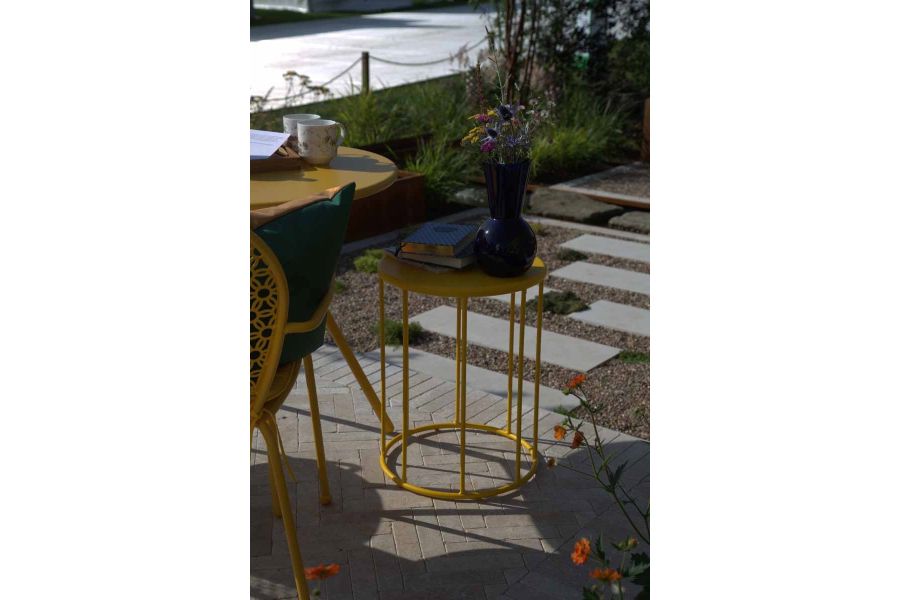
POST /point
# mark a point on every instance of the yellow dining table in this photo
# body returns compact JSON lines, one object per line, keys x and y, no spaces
{"x":372,"y":173}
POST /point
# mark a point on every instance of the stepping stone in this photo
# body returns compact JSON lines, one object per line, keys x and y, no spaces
{"x":633,"y":221}
{"x":596,"y":244}
{"x":613,"y":315}
{"x":622,"y":279}
{"x":530,"y":294}
{"x":563,"y":350}
{"x":477,"y":378}
{"x":547,"y":202}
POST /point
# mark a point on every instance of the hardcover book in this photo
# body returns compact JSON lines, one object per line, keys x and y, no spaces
{"x":440,"y":239}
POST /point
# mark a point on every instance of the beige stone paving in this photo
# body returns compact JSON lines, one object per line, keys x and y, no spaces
{"x":395,"y":545}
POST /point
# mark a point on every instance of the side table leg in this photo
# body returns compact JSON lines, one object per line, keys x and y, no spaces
{"x":405,"y":378}
{"x":512,"y":337}
{"x":458,"y":317}
{"x":462,"y":398}
{"x":363,"y":381}
{"x":384,"y":427}
{"x":521,"y":375}
{"x":537,"y":360}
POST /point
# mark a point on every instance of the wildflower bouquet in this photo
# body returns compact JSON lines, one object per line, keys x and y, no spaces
{"x":504,"y":134}
{"x":503,"y":131}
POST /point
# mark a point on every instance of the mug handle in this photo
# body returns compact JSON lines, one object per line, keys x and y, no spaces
{"x":343,"y":133}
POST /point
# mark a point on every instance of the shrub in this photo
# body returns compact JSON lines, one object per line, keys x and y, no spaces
{"x":569,"y":255}
{"x":393,"y":332}
{"x":560,"y":303}
{"x":445,"y":170}
{"x":367,"y":262}
{"x":588,"y":133}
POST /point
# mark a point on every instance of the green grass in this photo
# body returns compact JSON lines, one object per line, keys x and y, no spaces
{"x":266,"y":16}
{"x":274,"y":17}
{"x":627,"y":356}
{"x":569,"y":255}
{"x":367,"y":262}
{"x":339,"y":286}
{"x":560,"y":303}
{"x":445,"y":169}
{"x":588,"y":132}
{"x":437,"y":106}
{"x":393,"y":332}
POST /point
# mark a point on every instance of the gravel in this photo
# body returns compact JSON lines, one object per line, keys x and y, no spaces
{"x":620,"y":391}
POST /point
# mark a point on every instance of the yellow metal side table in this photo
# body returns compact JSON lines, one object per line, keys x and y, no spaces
{"x":462,"y":285}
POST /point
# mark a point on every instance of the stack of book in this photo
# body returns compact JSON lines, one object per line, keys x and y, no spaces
{"x":441,"y":245}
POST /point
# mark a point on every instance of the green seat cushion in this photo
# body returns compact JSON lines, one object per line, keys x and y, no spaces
{"x":307,"y":242}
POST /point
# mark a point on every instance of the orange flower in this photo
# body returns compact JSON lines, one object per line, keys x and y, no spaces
{"x":576,"y":381}
{"x":322,"y":571}
{"x":577,"y":440}
{"x":559,"y":432}
{"x":606,"y":574}
{"x":581,"y":551}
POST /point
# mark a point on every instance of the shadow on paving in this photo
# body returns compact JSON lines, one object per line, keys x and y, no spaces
{"x":514,"y":546}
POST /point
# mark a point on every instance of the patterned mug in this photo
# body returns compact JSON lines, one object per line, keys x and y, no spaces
{"x":318,"y":140}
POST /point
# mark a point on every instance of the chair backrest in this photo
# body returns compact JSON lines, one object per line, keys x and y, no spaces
{"x":306,"y":237}
{"x":268,"y":315}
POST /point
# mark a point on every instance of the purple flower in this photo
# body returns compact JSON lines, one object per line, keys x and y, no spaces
{"x":504,"y":111}
{"x":491,"y":132}
{"x":488,"y":146}
{"x":482,"y":118}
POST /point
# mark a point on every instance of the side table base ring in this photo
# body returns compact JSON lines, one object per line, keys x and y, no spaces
{"x":469,"y":494}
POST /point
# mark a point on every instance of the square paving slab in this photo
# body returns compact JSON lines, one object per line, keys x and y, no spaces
{"x":596,"y":244}
{"x":622,"y":279}
{"x":613,"y":315}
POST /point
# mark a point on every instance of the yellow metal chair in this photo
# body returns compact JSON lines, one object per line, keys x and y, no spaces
{"x":270,"y":383}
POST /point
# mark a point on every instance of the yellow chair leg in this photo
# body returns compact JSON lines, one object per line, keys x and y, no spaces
{"x":266,"y":426}
{"x":276,"y":507}
{"x":324,"y":491}
{"x":338,"y":336}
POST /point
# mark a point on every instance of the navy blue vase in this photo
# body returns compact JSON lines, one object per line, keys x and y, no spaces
{"x":505,"y":245}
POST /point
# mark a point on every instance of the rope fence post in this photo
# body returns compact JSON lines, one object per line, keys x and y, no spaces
{"x":365,"y":72}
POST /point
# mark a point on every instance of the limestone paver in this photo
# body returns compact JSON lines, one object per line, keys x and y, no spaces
{"x":597,"y":244}
{"x":613,"y":315}
{"x":622,"y":279}
{"x":490,"y":332}
{"x":395,"y":545}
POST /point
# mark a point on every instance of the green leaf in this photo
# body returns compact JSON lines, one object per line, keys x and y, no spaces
{"x":589,"y":594}
{"x":598,"y":548}
{"x":617,"y":474}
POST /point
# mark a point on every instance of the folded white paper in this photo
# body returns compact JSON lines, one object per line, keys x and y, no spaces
{"x":263,"y":144}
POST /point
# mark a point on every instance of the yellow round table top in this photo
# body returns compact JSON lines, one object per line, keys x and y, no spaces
{"x":469,"y":282}
{"x":371,"y":172}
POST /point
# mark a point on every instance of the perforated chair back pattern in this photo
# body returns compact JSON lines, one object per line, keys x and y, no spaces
{"x":268,"y":315}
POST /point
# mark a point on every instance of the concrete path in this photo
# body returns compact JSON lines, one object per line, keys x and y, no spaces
{"x":613,"y":315}
{"x":395,"y":545}
{"x":477,"y":378}
{"x":596,"y":244}
{"x":622,"y":279}
{"x":323,"y":48}
{"x":489,"y":332}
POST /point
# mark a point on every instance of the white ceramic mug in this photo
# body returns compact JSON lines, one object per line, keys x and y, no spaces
{"x":290,"y":121}
{"x":318,"y":140}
